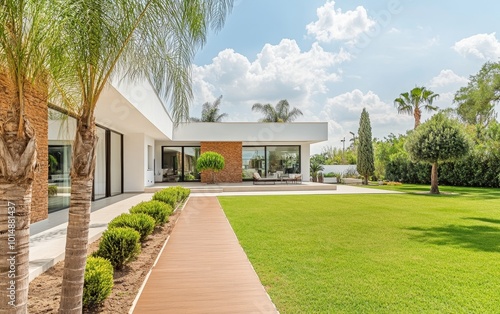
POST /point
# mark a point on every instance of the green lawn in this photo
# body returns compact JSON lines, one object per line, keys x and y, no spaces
{"x":397,"y":253}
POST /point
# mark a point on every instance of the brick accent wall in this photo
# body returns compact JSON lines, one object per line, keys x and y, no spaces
{"x":232,"y":153}
{"x":37,"y":113}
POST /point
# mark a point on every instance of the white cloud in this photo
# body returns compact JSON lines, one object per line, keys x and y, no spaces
{"x":280,"y":71}
{"x":343,"y":113}
{"x":394,"y":31}
{"x":482,"y":46}
{"x":332,"y":24}
{"x":447,"y":77}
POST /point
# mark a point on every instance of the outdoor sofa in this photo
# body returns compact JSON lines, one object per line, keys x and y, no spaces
{"x":296,"y":179}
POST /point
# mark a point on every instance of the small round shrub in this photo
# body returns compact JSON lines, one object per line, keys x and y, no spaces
{"x":142,"y":223}
{"x":119,"y":246}
{"x":98,"y":281}
{"x":172,"y":195}
{"x":167,"y":196}
{"x":156,"y":209}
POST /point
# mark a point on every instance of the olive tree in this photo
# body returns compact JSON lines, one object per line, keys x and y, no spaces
{"x":212,"y":162}
{"x":437,"y":140}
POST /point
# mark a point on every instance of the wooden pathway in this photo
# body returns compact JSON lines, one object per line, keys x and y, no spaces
{"x":203,"y":269}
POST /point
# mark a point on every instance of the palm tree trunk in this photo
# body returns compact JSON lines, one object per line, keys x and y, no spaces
{"x":82,"y":173}
{"x":17,"y":166}
{"x":417,"y":114}
{"x":434,"y":179}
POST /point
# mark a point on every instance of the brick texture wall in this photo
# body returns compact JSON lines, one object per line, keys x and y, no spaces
{"x":37,"y":113}
{"x":231,"y":151}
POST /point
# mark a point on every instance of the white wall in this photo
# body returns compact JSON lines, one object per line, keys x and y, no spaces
{"x":305,"y":151}
{"x":134,"y":163}
{"x":149,"y":179}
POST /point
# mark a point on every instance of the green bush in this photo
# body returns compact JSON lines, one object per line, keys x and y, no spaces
{"x":140,"y":222}
{"x":98,"y":281}
{"x":156,"y":209}
{"x":52,"y":190}
{"x":119,"y":246}
{"x":172,"y":195}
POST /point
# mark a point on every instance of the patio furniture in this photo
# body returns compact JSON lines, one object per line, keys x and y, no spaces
{"x":293,"y":178}
{"x":258,"y":179}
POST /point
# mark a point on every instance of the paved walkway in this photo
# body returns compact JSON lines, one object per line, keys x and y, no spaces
{"x":203,"y":269}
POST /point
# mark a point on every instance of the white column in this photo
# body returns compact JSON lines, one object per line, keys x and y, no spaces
{"x":305,"y":152}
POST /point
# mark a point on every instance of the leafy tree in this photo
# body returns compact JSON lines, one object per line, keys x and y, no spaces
{"x":210,"y":112}
{"x":413,"y":102}
{"x":149,"y":40}
{"x":26,"y":36}
{"x":212,"y":162}
{"x":280,"y":113}
{"x":387,"y":150}
{"x":365,"y":160}
{"x":439,"y":139}
{"x":476,"y":101}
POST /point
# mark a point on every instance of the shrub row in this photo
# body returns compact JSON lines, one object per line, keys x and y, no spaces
{"x":120,"y":243}
{"x":478,"y":169}
{"x":172,"y":195}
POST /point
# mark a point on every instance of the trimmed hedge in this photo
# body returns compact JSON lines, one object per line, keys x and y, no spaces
{"x":119,"y":246}
{"x":478,"y":169}
{"x":156,"y":209}
{"x":142,"y":223}
{"x":172,"y":195}
{"x":98,"y":281}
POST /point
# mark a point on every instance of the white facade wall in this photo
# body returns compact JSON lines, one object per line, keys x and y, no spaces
{"x":305,"y":165}
{"x":133,"y":163}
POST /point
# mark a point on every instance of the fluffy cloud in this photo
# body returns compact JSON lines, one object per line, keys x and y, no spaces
{"x":278,"y":72}
{"x":333,"y":24}
{"x":447,"y":77}
{"x":482,"y":46}
{"x":343,"y":113}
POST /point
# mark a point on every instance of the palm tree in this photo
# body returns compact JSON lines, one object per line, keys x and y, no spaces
{"x":24,"y":35}
{"x":210,"y":112}
{"x":413,"y":102}
{"x":154,"y":40}
{"x":280,"y":113}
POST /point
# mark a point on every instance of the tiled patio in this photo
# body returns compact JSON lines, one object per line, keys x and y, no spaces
{"x":203,"y":269}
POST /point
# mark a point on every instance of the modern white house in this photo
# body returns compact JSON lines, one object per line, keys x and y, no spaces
{"x":140,"y":145}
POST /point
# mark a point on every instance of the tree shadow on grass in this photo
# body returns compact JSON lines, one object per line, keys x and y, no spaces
{"x":477,"y":238}
{"x":489,"y":220}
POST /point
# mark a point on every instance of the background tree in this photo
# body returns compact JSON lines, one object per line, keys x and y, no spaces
{"x":26,"y":33}
{"x":413,"y":102}
{"x":212,"y":162}
{"x":280,"y":113}
{"x":439,"y":139}
{"x":365,"y":160}
{"x":476,"y":101}
{"x":210,"y":112}
{"x":148,"y":40}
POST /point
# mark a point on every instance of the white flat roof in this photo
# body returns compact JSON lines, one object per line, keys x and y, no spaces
{"x":251,"y":132}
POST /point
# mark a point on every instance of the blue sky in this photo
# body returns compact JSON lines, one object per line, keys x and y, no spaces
{"x":331,"y":59}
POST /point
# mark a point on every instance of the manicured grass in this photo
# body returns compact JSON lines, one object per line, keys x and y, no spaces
{"x":390,"y":253}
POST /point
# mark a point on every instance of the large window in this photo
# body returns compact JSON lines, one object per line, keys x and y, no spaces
{"x":179,"y":163}
{"x":253,"y":160}
{"x":270,"y":160}
{"x":108,"y":173}
{"x":59,"y":176}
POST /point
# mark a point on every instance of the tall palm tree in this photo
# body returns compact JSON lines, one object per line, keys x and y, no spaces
{"x":413,"y":102}
{"x":280,"y":113}
{"x":210,"y":112}
{"x":154,"y":40}
{"x":24,"y":33}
